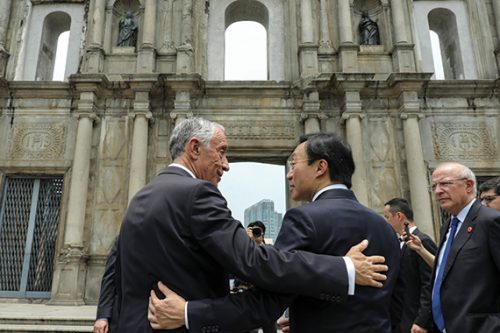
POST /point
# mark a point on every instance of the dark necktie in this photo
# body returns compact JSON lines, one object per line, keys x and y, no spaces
{"x":437,"y":313}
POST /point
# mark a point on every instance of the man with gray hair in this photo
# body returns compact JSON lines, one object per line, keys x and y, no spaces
{"x":179,"y":230}
{"x":466,"y":289}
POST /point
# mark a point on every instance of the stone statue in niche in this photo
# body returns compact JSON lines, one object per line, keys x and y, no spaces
{"x":127,"y":30}
{"x":368,"y":30}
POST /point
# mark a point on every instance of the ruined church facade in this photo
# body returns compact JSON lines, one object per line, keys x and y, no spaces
{"x":74,"y":152}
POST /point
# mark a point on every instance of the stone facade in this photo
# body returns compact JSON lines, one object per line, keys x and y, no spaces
{"x":106,"y":127}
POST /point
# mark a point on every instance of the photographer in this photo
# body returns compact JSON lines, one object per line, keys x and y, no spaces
{"x":256,"y":231}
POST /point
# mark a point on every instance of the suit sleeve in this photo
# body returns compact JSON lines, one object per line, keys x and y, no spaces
{"x":108,"y":286}
{"x":424,"y":314}
{"x":296,"y":272}
{"x":236,"y":312}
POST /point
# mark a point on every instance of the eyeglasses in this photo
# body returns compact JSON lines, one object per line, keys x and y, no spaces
{"x":445,"y":184}
{"x":291,"y":163}
{"x":487,"y":199}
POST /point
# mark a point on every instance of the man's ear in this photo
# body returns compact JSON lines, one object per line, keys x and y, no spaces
{"x":193,"y":148}
{"x":322,"y":167}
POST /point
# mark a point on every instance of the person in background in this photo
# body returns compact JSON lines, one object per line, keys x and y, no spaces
{"x":466,"y":291}
{"x":106,"y":317}
{"x":489,"y":193}
{"x":414,"y":285}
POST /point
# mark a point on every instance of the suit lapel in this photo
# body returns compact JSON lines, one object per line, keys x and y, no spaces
{"x":462,"y":236}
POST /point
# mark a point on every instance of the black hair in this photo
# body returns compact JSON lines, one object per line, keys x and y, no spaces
{"x":338,"y":154}
{"x":490,"y":184}
{"x":400,"y":205}
{"x":258,"y":224}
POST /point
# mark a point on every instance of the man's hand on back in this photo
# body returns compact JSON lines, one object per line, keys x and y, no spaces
{"x":369,"y":270}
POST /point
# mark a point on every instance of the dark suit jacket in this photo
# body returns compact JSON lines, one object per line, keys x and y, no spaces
{"x":470,"y":292}
{"x":330,"y":225}
{"x":416,"y":287}
{"x":107,"y":295}
{"x":178,"y":230}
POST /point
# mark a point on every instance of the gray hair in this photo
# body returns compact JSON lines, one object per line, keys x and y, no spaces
{"x":200,"y":128}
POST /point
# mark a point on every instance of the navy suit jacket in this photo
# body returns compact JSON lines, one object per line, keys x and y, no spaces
{"x":178,"y":230}
{"x":330,"y":225}
{"x":470,"y":291}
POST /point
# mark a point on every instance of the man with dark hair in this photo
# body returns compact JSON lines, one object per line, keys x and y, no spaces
{"x":413,"y":290}
{"x":179,"y":230}
{"x":489,"y":193}
{"x":319,"y":171}
{"x":256,"y":231}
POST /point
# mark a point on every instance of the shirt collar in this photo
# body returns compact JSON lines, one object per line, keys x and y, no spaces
{"x":463,"y":213}
{"x":327,"y":188}
{"x":183,"y":168}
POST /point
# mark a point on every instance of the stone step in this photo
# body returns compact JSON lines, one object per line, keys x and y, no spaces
{"x":29,"y":328}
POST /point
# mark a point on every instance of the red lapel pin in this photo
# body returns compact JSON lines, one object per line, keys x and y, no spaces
{"x":469,"y":230}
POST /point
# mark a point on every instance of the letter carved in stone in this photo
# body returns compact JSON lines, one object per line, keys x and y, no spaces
{"x":467,"y":141}
{"x":40,"y":141}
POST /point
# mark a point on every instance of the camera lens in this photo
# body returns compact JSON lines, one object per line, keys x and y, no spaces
{"x":256,"y":231}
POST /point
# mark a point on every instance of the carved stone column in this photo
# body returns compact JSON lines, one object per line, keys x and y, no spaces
{"x":311,"y":113}
{"x":95,"y":53}
{"x":69,"y":277}
{"x":496,"y":12}
{"x":168,"y":46}
{"x":185,"y":51}
{"x":139,"y":154}
{"x":4,"y":25}
{"x":403,"y":51}
{"x":354,"y":137}
{"x":308,"y":49}
{"x":417,"y":172}
{"x":348,"y":49}
{"x":146,"y":56}
{"x":325,"y":44}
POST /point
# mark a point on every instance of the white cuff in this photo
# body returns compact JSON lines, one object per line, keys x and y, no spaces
{"x":351,"y":275}
{"x":186,"y":315}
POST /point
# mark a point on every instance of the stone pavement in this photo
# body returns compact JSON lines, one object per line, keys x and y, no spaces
{"x":25,"y":317}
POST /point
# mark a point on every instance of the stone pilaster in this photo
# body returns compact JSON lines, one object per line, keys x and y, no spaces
{"x":417,"y":171}
{"x":348,"y":50}
{"x":185,"y":51}
{"x":139,"y":154}
{"x":403,"y":53}
{"x":496,"y":13}
{"x":325,"y":44}
{"x":168,"y":46}
{"x":4,"y":24}
{"x":308,"y":49}
{"x":146,"y":56}
{"x":69,"y":276}
{"x":311,"y":113}
{"x":95,"y":52}
{"x":354,"y":136}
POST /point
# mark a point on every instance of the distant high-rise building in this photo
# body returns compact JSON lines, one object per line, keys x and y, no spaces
{"x":264,"y":211}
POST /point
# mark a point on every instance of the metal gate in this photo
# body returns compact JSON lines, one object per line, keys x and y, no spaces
{"x":29,"y":212}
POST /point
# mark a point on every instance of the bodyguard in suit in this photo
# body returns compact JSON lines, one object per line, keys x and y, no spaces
{"x":319,"y":171}
{"x":106,"y":318}
{"x":414,"y":284}
{"x":179,"y":230}
{"x":466,"y":292}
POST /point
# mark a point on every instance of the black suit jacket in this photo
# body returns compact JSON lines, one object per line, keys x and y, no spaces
{"x":470,"y":291}
{"x":106,"y":308}
{"x":415,"y":287}
{"x":178,"y":230}
{"x":330,"y":225}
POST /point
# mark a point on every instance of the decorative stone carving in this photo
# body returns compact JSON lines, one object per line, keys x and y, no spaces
{"x":462,"y":141}
{"x":42,"y":141}
{"x":260,"y":130}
